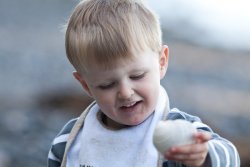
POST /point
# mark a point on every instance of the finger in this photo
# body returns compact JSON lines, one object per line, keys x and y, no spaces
{"x":189,"y":149}
{"x":187,"y":157}
{"x":201,"y":137}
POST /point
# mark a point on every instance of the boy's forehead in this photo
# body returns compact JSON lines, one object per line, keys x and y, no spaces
{"x":134,"y":62}
{"x":108,"y":66}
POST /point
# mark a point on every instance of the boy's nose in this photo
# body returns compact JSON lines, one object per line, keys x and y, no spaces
{"x":125,"y":92}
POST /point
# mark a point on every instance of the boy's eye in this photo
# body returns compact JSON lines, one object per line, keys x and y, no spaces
{"x":137,"y":76}
{"x":106,"y":86}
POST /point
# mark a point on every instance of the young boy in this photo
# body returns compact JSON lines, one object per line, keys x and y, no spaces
{"x":116,"y":49}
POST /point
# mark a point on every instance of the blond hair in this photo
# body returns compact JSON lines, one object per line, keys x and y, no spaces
{"x":100,"y":32}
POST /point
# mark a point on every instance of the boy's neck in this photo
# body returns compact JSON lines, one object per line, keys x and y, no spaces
{"x":109,"y":123}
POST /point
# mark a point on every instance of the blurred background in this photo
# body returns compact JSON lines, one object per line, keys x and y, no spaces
{"x":208,"y":72}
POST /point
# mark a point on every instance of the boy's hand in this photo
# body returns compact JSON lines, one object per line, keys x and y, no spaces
{"x":193,"y":155}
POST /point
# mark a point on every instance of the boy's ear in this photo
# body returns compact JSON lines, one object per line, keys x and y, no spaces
{"x":163,"y":61}
{"x":84,"y":84}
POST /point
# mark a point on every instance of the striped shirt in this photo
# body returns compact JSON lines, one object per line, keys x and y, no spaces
{"x":222,"y":153}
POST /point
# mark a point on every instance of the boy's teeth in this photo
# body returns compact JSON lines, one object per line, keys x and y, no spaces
{"x":129,"y":105}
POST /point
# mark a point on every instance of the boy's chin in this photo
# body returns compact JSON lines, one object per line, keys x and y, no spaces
{"x":138,"y":122}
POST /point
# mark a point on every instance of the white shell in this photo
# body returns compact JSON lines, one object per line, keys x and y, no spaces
{"x":173,"y":133}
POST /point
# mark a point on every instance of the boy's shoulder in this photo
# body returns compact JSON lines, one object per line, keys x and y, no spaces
{"x":172,"y":115}
{"x":57,"y":150}
{"x":67,"y":127}
{"x":178,"y":114}
{"x":59,"y":142}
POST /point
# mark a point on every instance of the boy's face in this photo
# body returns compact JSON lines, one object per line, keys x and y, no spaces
{"x":127,"y":94}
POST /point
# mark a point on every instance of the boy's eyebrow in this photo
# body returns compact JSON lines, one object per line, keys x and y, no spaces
{"x":108,"y":79}
{"x":140,"y":69}
{"x":97,"y":84}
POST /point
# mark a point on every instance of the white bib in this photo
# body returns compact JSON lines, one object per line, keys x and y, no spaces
{"x":97,"y":146}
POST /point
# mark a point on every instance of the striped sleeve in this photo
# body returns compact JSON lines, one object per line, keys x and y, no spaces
{"x":221,"y":151}
{"x":56,"y":151}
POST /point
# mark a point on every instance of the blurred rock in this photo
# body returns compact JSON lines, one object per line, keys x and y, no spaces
{"x":74,"y":102}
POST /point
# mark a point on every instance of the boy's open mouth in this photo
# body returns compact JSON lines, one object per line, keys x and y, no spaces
{"x":130,"y":106}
